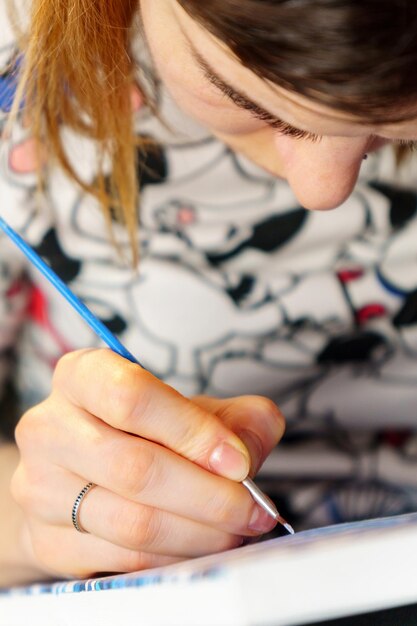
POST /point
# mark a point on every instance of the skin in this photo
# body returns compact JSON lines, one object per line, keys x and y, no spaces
{"x":167,"y":482}
{"x":321,"y":173}
{"x":167,"y":485}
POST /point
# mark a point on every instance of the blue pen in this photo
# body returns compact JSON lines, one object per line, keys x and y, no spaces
{"x":112,"y":342}
{"x":95,"y":324}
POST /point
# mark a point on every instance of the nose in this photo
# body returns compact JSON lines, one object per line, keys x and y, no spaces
{"x":322,"y":174}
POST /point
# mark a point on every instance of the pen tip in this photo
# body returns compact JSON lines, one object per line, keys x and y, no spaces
{"x":284,"y":523}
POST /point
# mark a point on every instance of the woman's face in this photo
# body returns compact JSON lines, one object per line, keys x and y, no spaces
{"x":322,"y":154}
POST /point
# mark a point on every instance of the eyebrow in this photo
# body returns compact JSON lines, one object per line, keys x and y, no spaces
{"x":244,"y":102}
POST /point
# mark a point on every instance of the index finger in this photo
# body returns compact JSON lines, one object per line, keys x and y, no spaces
{"x":129,"y":398}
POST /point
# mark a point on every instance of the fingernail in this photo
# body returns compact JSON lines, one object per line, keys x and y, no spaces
{"x":254,"y":445}
{"x":229,"y":462}
{"x":261,"y":521}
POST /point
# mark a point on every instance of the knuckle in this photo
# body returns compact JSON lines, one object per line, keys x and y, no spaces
{"x":21,"y":431}
{"x":65,"y":365}
{"x":27,"y":488}
{"x":133,"y":531}
{"x":134,"y":470}
{"x":123,"y":389}
{"x":271,"y":412}
{"x":135,"y":561}
{"x":19,"y":488}
{"x":69,"y":361}
{"x":151,"y":529}
{"x":197,"y":431}
{"x":268,"y":407}
{"x":30,"y":429}
{"x":128,"y":394}
{"x":140,"y":530}
{"x":221,"y":508}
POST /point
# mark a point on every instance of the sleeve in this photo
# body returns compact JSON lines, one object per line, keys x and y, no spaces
{"x":14,"y":193}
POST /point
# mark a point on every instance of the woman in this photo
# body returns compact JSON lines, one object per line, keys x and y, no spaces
{"x":232,"y":118}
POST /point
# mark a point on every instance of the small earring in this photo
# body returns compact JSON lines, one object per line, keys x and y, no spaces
{"x":365,"y":156}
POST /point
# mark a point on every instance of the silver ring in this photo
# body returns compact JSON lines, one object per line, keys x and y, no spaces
{"x":76,"y":507}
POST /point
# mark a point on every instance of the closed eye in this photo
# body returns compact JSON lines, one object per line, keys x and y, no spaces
{"x":242,"y":102}
{"x":259,"y":113}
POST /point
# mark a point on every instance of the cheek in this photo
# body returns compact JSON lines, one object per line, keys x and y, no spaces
{"x":284,"y":147}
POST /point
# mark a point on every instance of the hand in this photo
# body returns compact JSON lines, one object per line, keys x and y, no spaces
{"x":166,"y":469}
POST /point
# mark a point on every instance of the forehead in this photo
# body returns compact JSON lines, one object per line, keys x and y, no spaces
{"x":296,"y":109}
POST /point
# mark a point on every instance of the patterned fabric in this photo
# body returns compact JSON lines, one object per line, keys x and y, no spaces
{"x":239,"y":290}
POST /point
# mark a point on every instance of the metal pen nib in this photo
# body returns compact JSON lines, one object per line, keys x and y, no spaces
{"x":266,"y":503}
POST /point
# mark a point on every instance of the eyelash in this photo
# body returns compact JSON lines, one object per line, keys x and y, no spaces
{"x":296,"y":133}
{"x":277,"y":124}
{"x":289,"y":131}
{"x":283,"y":127}
{"x":406,"y":143}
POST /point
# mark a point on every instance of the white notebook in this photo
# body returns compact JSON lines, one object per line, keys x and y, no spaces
{"x":314,"y":575}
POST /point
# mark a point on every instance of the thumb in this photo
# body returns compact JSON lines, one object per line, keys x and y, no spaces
{"x":256,"y":420}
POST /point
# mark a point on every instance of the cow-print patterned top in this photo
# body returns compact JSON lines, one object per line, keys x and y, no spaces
{"x":239,"y":290}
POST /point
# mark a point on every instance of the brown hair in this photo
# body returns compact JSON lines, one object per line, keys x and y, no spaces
{"x":355,"y":56}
